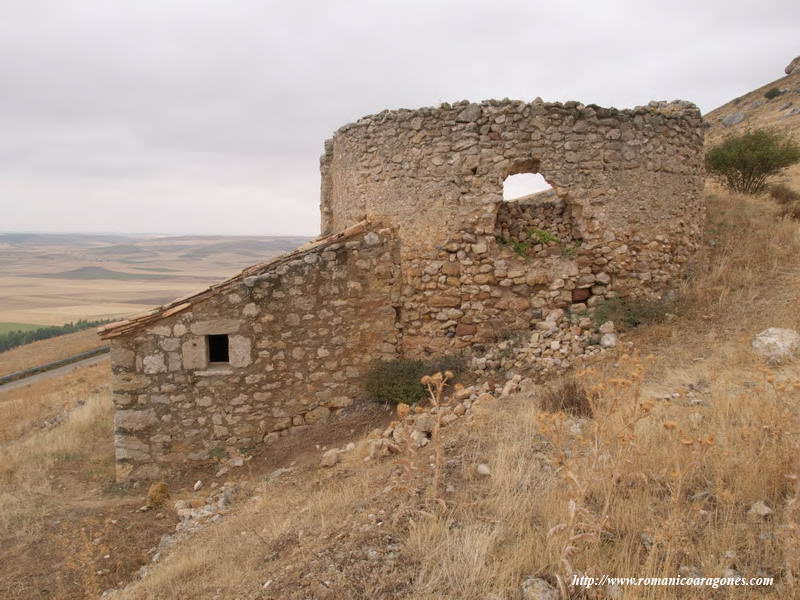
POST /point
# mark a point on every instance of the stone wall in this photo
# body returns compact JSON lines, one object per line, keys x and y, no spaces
{"x":301,"y":333}
{"x":538,"y":223}
{"x":630,"y":182}
{"x":447,"y":265}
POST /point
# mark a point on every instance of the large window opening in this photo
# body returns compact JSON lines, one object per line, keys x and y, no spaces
{"x":533,"y":221}
{"x":523,"y":185}
{"x":218,"y":349}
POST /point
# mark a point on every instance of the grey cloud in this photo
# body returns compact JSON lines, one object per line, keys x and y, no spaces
{"x":213,"y":114}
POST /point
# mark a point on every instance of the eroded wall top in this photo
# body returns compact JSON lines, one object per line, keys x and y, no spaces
{"x":434,"y":171}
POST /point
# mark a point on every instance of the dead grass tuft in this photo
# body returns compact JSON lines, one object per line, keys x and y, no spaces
{"x":157,"y":495}
{"x":682,"y":443}
{"x":783,"y":194}
{"x":687,"y":434}
{"x":569,"y":396}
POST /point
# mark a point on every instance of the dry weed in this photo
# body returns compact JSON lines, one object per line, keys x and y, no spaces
{"x":435,"y":385}
{"x":27,"y":492}
{"x":157,"y":495}
{"x":680,"y":445}
{"x":568,"y":396}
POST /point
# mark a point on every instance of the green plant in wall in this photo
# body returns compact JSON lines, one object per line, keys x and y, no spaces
{"x":520,"y":248}
{"x":219,"y":453}
{"x":534,"y":236}
{"x":541,"y":236}
{"x":569,"y":250}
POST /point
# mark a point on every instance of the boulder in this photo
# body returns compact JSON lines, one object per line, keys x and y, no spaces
{"x":777,"y":345}
{"x":330,"y":458}
{"x":608,"y":327}
{"x":608,"y":340}
{"x":419,"y":439}
{"x":733,"y":119}
{"x":760,"y":509}
{"x":793,"y":67}
{"x":424,"y":422}
{"x":381,"y":447}
{"x":536,"y":588}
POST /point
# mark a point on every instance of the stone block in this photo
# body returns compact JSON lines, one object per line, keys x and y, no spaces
{"x":130,"y":382}
{"x":154,"y":363}
{"x":445,"y":301}
{"x":321,"y":413}
{"x":129,"y":447}
{"x":121,"y":356}
{"x":463,"y":329}
{"x":240,"y":351}
{"x":215,"y":326}
{"x":340,"y":402}
{"x":134,"y":420}
{"x":195,"y":353}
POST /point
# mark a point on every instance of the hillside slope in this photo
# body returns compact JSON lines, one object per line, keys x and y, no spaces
{"x":690,"y":432}
{"x":50,"y":350}
{"x":676,"y":453}
{"x":754,"y":110}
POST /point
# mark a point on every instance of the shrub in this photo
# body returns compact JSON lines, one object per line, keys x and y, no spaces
{"x":783,"y":194}
{"x":157,"y":494}
{"x":567,"y":396}
{"x":744,"y":162}
{"x":398,"y":380}
{"x":628,"y":313}
{"x":772,"y":93}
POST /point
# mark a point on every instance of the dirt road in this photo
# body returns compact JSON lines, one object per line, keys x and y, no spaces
{"x":53,"y":372}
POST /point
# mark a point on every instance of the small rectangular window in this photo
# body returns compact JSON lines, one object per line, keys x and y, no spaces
{"x":218,"y":349}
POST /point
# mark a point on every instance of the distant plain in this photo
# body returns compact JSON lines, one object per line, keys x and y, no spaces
{"x":51,"y":279}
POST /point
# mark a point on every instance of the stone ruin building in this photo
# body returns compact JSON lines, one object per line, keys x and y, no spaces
{"x":418,"y":255}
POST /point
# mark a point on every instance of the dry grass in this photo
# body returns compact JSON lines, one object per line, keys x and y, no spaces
{"x":29,"y":455}
{"x":651,"y":485}
{"x":45,"y":351}
{"x":644,"y":487}
{"x":65,"y":531}
{"x":568,"y":396}
{"x":26,"y":409}
{"x":273,"y":536}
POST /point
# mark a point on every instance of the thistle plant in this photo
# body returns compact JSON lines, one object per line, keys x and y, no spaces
{"x":435,"y":385}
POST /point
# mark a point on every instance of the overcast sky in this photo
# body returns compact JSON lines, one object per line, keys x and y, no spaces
{"x":201,"y":116}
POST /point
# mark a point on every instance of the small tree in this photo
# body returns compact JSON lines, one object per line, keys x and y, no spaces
{"x":744,"y":162}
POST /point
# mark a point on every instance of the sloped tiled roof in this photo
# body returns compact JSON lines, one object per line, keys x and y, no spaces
{"x":140,"y":320}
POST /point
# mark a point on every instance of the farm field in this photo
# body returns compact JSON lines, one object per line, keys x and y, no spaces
{"x":6,"y":327}
{"x":51,"y":279}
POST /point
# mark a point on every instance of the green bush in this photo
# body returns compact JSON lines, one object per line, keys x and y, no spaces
{"x":628,"y":313}
{"x":772,"y":93}
{"x":744,"y":162}
{"x":398,"y":380}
